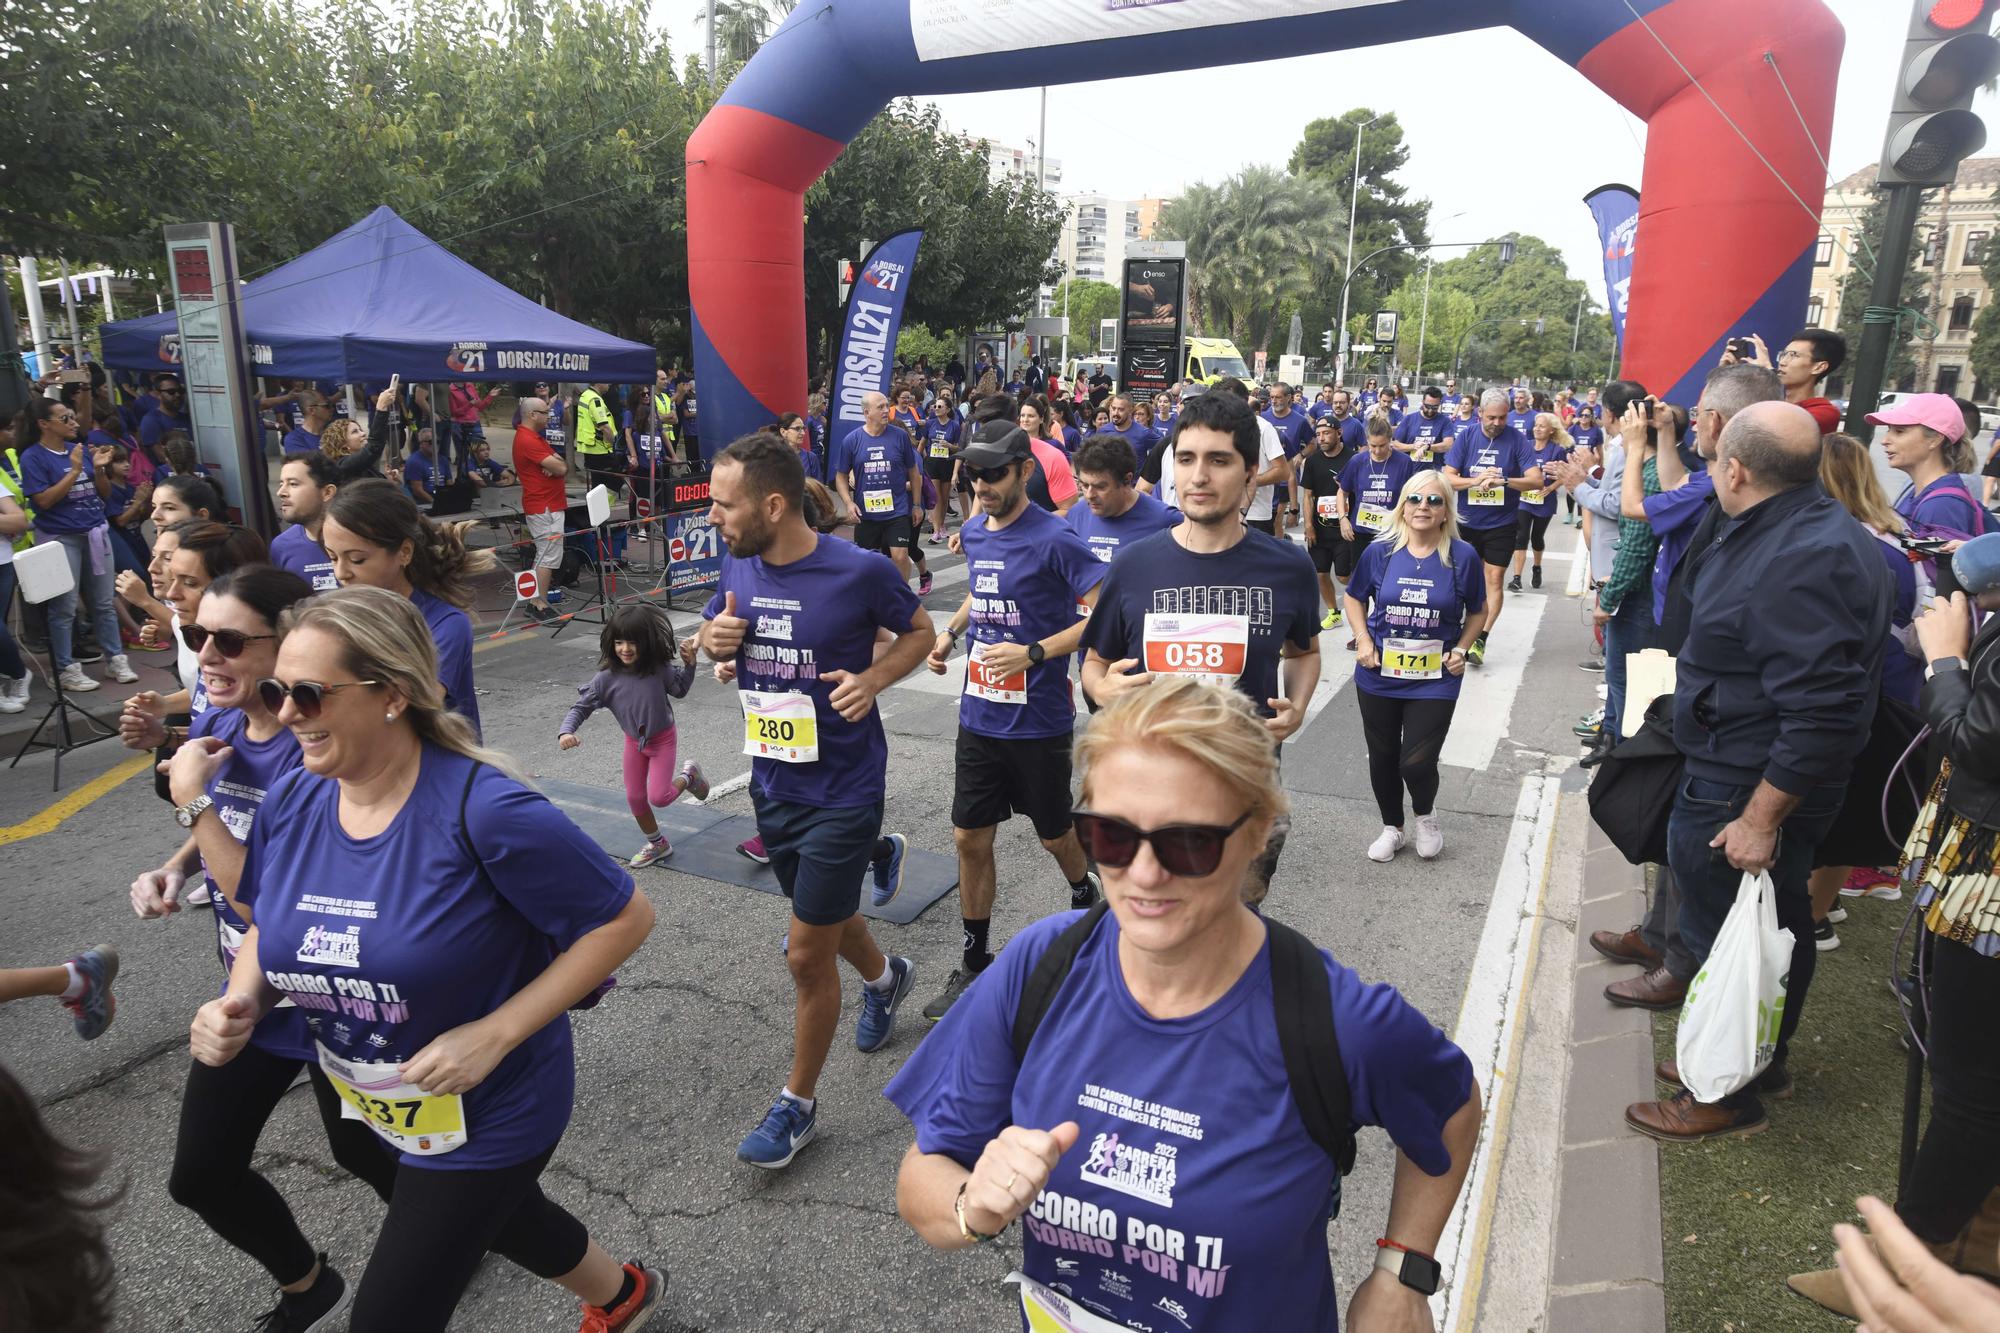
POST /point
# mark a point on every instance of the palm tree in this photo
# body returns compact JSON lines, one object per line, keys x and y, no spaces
{"x":741,"y":26}
{"x":1251,"y":241}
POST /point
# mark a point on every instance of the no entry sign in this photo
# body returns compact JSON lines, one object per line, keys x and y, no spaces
{"x":524,"y":585}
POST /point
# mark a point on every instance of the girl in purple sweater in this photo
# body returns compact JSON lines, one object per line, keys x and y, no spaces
{"x":639,"y":667}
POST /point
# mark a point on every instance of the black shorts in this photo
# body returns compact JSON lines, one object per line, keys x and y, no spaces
{"x":884,"y":534}
{"x":821,"y":855}
{"x":939,"y":470}
{"x":1325,"y":550}
{"x":1495,"y":545}
{"x":999,"y":777}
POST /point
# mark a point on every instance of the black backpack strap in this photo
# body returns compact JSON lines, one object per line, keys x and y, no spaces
{"x":1303,"y":1000}
{"x":1050,"y":971}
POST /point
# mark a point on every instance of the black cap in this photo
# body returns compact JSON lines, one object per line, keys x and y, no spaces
{"x":996,"y":444}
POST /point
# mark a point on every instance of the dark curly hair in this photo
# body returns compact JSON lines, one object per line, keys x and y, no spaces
{"x":641,"y":624}
{"x":55,"y":1269}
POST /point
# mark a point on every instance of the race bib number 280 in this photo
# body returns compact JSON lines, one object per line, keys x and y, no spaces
{"x":780,"y":725}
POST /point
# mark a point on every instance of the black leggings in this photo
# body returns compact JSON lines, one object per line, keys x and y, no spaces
{"x":1958,"y":1163}
{"x":1405,"y":737}
{"x":442,"y":1223}
{"x":1531,"y":528}
{"x":223,"y":1112}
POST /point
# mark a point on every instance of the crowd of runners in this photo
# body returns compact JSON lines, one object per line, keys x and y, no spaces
{"x":403,"y":919}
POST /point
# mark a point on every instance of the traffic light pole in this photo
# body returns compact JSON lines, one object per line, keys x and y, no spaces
{"x":1892,"y":262}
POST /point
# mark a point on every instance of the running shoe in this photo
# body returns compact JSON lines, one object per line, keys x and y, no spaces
{"x":754,"y":849}
{"x":924,"y":582}
{"x":1862,"y":878}
{"x":73,"y":679}
{"x":788,"y":1126}
{"x":1476,"y":654}
{"x":954,"y":986}
{"x":654,"y":850}
{"x":93,"y":1010}
{"x":937,"y":537}
{"x":1836,"y":914}
{"x":542,"y":614}
{"x":1514,"y":584}
{"x":692,"y":781}
{"x":631,"y":1314}
{"x":1331,"y":620}
{"x":1430,"y":838}
{"x":1888,"y":892}
{"x":121,"y":669}
{"x":198,"y":896}
{"x":1593,"y":664}
{"x":1093,"y":889}
{"x":315,"y":1308}
{"x":878,"y":1007}
{"x":1537,"y":580}
{"x":1590,"y":726}
{"x":1824,"y":939}
{"x":1387,"y":844}
{"x":889,"y":871}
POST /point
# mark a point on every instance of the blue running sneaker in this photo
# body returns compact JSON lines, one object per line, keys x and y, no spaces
{"x":878,"y":1007}
{"x":787,"y":1127}
{"x":889,"y":872}
{"x":92,"y":1010}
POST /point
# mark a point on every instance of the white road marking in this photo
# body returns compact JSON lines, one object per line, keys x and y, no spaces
{"x":1487,"y":699}
{"x":1489,"y":1030}
{"x":1579,"y":566}
{"x":727,"y":787}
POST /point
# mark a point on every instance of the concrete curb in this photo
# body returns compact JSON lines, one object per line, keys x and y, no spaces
{"x":1607,"y":1269}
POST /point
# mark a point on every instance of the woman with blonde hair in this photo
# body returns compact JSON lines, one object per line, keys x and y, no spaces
{"x":1549,"y":444}
{"x":1414,"y":603}
{"x":379,"y":539}
{"x":355,"y":451}
{"x":1173,"y":996}
{"x":1925,"y":441}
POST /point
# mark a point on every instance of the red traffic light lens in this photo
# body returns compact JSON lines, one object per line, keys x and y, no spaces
{"x":1952,"y":15}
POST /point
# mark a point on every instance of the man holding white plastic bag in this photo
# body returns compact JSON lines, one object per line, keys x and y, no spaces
{"x":1790,"y":610}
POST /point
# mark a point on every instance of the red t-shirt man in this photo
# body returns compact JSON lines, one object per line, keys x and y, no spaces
{"x":540,"y":493}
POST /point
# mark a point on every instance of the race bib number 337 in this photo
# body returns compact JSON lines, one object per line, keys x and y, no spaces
{"x":402,"y":1114}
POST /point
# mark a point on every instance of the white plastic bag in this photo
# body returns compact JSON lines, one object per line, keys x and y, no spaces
{"x":1729,"y":1022}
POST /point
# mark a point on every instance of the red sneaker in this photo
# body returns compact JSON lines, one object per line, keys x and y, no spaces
{"x":629,"y":1315}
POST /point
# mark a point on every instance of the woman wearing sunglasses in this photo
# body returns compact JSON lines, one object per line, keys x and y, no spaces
{"x":236,"y":752}
{"x":1413,"y":602}
{"x":379,"y":539}
{"x":434,"y":918}
{"x":1149,"y":1126}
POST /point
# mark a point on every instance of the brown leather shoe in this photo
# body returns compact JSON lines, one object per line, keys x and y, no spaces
{"x":1629,"y":947}
{"x":1685,"y":1120}
{"x":1658,"y":989}
{"x":1826,"y":1288}
{"x":1774,"y":1084}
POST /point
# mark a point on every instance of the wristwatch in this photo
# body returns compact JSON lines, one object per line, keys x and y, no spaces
{"x":1943,"y":664}
{"x":1036,"y":653}
{"x":1414,"y":1269}
{"x":185,"y":815}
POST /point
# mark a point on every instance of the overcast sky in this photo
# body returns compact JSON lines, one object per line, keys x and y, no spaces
{"x":1572,"y":137}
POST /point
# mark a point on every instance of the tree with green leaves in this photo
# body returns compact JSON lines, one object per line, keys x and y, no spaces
{"x":1902,"y":366}
{"x":1088,"y":302}
{"x":1384,"y":212}
{"x":1526,"y":317}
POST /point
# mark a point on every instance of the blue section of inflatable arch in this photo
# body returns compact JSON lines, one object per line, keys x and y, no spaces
{"x":1733,"y":264}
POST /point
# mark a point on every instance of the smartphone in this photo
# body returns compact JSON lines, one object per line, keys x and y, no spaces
{"x":1947,"y":581}
{"x":395,"y":383}
{"x":74,"y":377}
{"x":1743,"y":348}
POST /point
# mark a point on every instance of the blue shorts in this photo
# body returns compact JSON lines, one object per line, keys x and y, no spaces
{"x":821,"y":855}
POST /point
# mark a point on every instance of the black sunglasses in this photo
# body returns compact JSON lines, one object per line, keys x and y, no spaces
{"x":306,"y":695}
{"x":1428,"y":501}
{"x":990,"y":475}
{"x":228,"y":642}
{"x":1187,"y":850}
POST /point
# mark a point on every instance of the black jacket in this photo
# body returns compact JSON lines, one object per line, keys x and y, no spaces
{"x":357,"y":467}
{"x":1779,"y":674}
{"x":1963,"y":709}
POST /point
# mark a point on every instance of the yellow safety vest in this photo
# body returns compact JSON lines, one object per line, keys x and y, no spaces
{"x":10,"y":484}
{"x":663,"y":415}
{"x":590,"y":410}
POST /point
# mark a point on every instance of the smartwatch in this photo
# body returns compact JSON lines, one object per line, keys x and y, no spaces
{"x":1942,"y":664}
{"x":1036,"y":653}
{"x":185,"y":815}
{"x":1415,"y":1270}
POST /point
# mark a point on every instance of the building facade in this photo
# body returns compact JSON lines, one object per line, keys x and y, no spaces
{"x":1955,"y":227}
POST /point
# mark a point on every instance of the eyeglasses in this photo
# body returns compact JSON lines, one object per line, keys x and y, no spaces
{"x":990,"y":475}
{"x":1427,"y":501}
{"x":228,"y":642}
{"x":1187,"y":850}
{"x":306,"y":695}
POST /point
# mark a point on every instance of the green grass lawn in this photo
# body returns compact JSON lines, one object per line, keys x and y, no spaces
{"x":1740,"y":1215}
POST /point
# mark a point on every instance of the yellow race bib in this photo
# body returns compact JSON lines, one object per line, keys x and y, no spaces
{"x":402,"y":1114}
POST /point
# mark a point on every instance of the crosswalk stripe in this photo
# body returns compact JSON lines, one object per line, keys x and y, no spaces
{"x":1487,"y":701}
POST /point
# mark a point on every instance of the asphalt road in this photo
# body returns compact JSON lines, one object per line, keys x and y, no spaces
{"x":684,"y":1057}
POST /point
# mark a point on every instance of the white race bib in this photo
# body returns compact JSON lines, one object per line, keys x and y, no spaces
{"x":404,"y":1115}
{"x":991,"y":685}
{"x":1327,"y":507}
{"x":780,"y":726}
{"x":1214,"y":648}
{"x":1412,"y":659}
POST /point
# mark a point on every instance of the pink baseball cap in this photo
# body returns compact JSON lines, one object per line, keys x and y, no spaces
{"x":1935,"y":410}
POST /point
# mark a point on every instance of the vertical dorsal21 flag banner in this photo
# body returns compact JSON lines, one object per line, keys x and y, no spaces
{"x":1616,"y":208}
{"x":868,"y":327}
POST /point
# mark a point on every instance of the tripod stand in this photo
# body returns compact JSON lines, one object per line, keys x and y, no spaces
{"x":94,"y":729}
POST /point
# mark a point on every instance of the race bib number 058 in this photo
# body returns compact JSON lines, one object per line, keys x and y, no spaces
{"x":780,"y":726}
{"x":1214,"y":648}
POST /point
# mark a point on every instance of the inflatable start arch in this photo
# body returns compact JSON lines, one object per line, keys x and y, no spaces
{"x":1727,"y":243}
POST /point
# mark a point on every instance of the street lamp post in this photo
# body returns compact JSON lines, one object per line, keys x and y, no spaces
{"x":1424,"y":322}
{"x":1353,"y":210}
{"x":1505,"y":243}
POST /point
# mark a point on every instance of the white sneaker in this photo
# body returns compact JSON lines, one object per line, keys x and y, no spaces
{"x":121,"y":669}
{"x":75,"y":681}
{"x":1430,"y":838}
{"x":1386,"y":846}
{"x":13,"y":698}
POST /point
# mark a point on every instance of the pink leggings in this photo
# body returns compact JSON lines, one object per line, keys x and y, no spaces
{"x":649,"y":774}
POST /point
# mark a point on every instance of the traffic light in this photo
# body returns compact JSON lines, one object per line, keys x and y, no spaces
{"x":1949,"y":53}
{"x":1326,"y":340}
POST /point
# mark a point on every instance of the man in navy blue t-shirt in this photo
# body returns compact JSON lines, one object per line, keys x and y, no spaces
{"x":1489,"y":465}
{"x":1426,"y":434}
{"x":797,"y":614}
{"x":1016,"y":717}
{"x":170,"y":415}
{"x":877,"y":472}
{"x":1141,"y":438}
{"x":315,"y":415}
{"x":1213,"y":597}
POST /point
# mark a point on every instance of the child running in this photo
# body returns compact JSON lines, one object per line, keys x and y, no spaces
{"x":639,"y":666}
